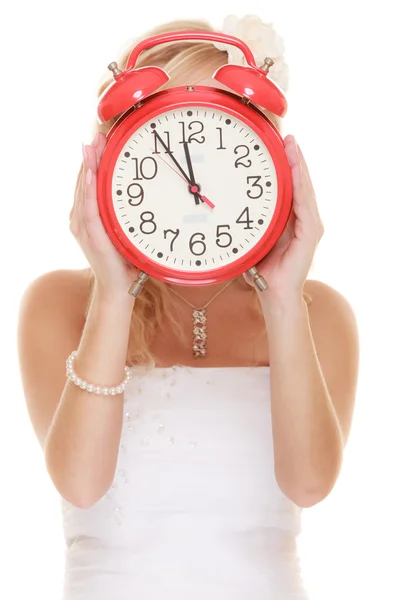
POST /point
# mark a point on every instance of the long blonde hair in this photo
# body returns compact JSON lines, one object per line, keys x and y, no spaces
{"x":186,"y":63}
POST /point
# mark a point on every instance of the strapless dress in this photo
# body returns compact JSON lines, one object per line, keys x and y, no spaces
{"x":194,"y":511}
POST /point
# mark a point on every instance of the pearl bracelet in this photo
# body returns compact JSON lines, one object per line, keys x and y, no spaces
{"x":90,"y":387}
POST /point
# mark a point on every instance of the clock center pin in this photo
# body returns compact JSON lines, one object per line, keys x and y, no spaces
{"x":194,"y":189}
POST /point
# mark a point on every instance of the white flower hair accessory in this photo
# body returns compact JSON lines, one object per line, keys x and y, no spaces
{"x":262,"y":40}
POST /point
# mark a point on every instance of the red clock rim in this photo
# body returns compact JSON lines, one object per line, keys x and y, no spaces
{"x":175,"y":99}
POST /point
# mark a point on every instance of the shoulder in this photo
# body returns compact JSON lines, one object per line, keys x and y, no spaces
{"x":335,"y":333}
{"x":61,"y":289}
{"x":60,"y":281}
{"x":328,"y":303}
{"x":332,"y":316}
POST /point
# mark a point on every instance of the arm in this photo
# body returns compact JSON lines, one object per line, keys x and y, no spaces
{"x":79,"y":431}
{"x":314,"y":367}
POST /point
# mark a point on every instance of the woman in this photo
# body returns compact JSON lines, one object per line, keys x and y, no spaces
{"x":189,"y":479}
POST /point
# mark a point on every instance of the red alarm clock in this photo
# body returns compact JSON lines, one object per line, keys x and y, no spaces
{"x":194,"y":186}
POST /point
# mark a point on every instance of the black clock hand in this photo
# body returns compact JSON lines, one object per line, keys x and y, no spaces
{"x":172,"y":156}
{"x":193,"y":189}
{"x":190,"y":167}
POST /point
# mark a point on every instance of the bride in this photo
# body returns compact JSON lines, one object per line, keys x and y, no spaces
{"x":183,"y":476}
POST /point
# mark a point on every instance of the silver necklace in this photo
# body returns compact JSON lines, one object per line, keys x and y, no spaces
{"x":199,"y":316}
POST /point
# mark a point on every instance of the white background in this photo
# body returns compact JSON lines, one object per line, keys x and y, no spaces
{"x":344,"y":111}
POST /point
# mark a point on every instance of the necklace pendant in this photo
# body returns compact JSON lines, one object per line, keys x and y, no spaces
{"x":199,"y":333}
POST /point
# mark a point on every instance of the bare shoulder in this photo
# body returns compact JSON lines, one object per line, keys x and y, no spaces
{"x":50,"y":323}
{"x":335,"y":333}
{"x":61,"y":287}
{"x":328,"y":302}
{"x":72,"y":281}
{"x":332,"y":316}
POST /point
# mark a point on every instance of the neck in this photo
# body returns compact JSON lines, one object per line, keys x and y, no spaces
{"x":200,"y":294}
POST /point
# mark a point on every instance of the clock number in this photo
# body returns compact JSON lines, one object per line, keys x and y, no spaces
{"x":255,"y":184}
{"x":169,"y":151}
{"x":193,"y":242}
{"x":245,"y":220}
{"x":192,"y":136}
{"x":220,"y":234}
{"x":221,"y":146}
{"x":239,"y":160}
{"x":147,"y":221}
{"x":173,"y":231}
{"x":132,"y":197}
{"x":139,"y":168}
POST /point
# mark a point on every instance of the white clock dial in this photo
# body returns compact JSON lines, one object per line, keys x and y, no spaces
{"x":161,"y":213}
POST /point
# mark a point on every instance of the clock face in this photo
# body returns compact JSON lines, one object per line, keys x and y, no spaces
{"x":194,"y":188}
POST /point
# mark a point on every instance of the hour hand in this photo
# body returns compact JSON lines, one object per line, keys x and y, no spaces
{"x":191,"y":173}
{"x":193,"y":188}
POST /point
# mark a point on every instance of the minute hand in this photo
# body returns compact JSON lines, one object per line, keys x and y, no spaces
{"x":168,"y":151}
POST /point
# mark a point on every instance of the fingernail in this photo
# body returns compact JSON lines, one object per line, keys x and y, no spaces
{"x":88,"y":177}
{"x":84,"y":152}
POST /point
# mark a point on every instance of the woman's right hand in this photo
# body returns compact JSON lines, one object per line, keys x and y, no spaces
{"x":114,"y":274}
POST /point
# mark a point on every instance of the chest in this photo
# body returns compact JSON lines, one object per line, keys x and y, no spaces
{"x":194,"y":437}
{"x":235,"y":336}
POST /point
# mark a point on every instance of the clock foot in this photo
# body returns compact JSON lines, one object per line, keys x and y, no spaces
{"x":258,"y":279}
{"x":136,"y":287}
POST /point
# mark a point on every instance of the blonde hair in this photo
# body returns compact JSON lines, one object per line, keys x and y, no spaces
{"x":186,"y":63}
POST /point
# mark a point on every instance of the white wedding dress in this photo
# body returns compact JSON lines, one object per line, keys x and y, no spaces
{"x":194,"y":512}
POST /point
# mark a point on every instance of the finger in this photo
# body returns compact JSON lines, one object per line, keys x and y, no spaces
{"x":288,"y":232}
{"x":303,"y":165}
{"x":300,"y":158}
{"x":249,"y":280}
{"x":99,"y":143}
{"x":294,"y":162}
{"x":90,"y":161}
{"x":91,"y":208}
{"x":304,"y":201}
{"x":79,"y":190}
{"x":80,"y":186}
{"x":85,"y":192}
{"x":311,"y":196}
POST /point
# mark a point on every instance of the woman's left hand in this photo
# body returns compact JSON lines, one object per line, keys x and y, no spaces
{"x":286,"y":266}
